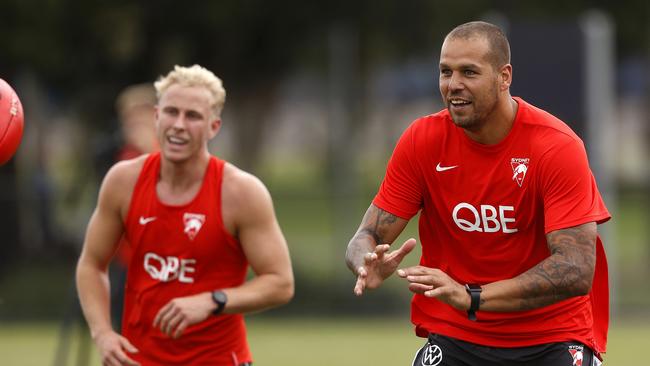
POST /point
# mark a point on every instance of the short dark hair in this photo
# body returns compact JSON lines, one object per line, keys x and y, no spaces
{"x":499,"y":53}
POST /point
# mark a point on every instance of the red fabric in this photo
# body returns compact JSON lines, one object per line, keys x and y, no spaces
{"x":600,"y":299}
{"x":128,"y":152}
{"x":180,"y":251}
{"x":484,"y":218}
{"x":123,"y":254}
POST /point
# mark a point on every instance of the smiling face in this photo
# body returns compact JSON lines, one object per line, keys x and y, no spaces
{"x":185,"y":122}
{"x":470,"y":85}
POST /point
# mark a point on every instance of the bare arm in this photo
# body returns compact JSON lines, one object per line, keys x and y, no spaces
{"x":566,"y":273}
{"x":366,"y":255}
{"x":102,"y":236}
{"x":377,"y":227}
{"x":248,"y":211}
{"x":264,"y":246}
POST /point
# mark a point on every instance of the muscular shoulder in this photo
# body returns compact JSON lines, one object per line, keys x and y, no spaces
{"x":119,"y":182}
{"x":428,"y":130}
{"x":124,"y":173}
{"x":549,"y":130}
{"x":434,"y":122}
{"x":244,"y":197}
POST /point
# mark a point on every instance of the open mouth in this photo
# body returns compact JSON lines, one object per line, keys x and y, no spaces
{"x":458,"y":103}
{"x":177,"y":141}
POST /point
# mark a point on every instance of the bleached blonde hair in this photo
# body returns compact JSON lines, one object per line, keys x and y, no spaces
{"x":194,"y":75}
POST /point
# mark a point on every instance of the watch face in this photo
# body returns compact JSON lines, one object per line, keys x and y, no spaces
{"x":219,"y":297}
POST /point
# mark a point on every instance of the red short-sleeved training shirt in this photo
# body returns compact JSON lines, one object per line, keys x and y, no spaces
{"x":485,"y":213}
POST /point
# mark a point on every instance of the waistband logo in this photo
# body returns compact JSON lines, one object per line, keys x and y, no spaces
{"x":432,"y":355}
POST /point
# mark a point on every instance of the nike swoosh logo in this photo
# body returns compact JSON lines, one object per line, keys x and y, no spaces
{"x":146,"y":220}
{"x":443,"y":168}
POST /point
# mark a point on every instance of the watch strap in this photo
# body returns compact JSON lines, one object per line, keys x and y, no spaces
{"x":219,"y":297}
{"x":474,"y":292}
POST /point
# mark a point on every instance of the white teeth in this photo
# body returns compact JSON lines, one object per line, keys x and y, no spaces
{"x":458,"y":102}
{"x":175,"y":140}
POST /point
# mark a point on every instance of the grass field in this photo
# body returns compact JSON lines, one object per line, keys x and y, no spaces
{"x":317,"y":240}
{"x":279,"y":342}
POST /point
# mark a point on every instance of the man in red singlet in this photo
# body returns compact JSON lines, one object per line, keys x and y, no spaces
{"x":512,"y":270}
{"x":194,"y":223}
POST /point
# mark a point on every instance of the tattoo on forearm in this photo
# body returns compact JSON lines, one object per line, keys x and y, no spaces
{"x":567,"y":272}
{"x":377,"y":224}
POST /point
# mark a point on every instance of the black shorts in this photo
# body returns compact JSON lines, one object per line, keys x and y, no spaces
{"x":445,"y":351}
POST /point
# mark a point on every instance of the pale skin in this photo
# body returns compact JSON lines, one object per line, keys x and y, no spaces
{"x":478,"y":98}
{"x":184,"y":124}
{"x":138,"y":127}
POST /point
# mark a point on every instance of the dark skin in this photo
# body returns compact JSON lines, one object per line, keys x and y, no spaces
{"x":367,"y":257}
{"x":566,"y":273}
{"x":476,"y":93}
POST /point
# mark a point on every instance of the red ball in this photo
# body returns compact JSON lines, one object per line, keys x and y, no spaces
{"x":11,"y":122}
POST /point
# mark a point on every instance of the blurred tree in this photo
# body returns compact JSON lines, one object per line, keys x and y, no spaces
{"x":85,"y":52}
{"x":88,"y":50}
{"x":9,"y":249}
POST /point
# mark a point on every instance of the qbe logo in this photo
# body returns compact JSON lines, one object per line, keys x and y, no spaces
{"x":486,"y":218}
{"x":169,"y":268}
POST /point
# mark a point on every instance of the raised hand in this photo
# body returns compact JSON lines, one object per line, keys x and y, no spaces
{"x":379,"y":265}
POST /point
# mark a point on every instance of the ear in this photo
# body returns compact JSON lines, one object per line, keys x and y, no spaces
{"x":215,"y":126}
{"x":505,"y":75}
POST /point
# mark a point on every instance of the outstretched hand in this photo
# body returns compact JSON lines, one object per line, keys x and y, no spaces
{"x":379,"y":265}
{"x":432,"y":282}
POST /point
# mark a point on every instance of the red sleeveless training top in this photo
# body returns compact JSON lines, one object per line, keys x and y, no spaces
{"x":180,"y":251}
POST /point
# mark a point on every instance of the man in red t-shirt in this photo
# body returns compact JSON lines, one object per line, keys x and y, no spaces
{"x":512,"y":269}
{"x":194,"y":224}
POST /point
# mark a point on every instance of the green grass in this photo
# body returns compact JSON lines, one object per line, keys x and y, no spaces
{"x":317,"y":238}
{"x":282,"y":342}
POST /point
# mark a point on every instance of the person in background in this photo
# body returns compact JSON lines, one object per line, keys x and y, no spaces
{"x":135,"y":107}
{"x":135,"y":110}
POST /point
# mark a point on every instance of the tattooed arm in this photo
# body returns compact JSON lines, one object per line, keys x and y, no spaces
{"x":367,"y":254}
{"x":567,"y":272}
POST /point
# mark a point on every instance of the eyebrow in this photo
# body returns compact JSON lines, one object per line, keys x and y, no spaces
{"x":462,"y":66}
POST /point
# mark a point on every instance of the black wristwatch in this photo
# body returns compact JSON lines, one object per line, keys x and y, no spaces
{"x":219,"y":297}
{"x":474,"y":292}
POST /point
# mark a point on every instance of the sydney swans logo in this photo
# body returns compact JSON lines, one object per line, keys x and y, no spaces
{"x":519,"y":169}
{"x":193,"y":223}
